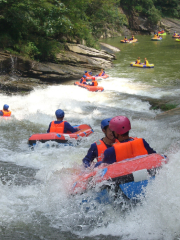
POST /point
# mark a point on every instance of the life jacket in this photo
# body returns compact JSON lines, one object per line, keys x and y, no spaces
{"x":138,"y":61}
{"x":88,"y":75}
{"x":129,"y":149}
{"x":146,"y":62}
{"x":100,"y":74}
{"x":95,"y":82}
{"x":83,"y":81}
{"x":6,"y":113}
{"x":101,"y":147}
{"x":57,"y":128}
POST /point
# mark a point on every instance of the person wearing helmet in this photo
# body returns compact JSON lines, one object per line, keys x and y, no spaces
{"x":132,"y":38}
{"x":94,"y":82}
{"x":88,"y":74}
{"x":125,"y":39}
{"x":83,"y":80}
{"x":61,"y":126}
{"x":5,"y":112}
{"x":128,"y":147}
{"x":97,"y":149}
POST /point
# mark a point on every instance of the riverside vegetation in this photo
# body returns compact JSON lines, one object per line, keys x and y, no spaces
{"x":37,"y":28}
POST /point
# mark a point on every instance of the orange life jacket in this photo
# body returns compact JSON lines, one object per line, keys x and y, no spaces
{"x":95,"y":82}
{"x":57,"y":128}
{"x":83,"y":81}
{"x":100,"y":74}
{"x":88,"y":75}
{"x":6,"y":113}
{"x":101,"y":147}
{"x":130,"y":149}
{"x":138,"y":61}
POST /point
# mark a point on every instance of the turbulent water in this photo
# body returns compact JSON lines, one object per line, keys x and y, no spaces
{"x":35,"y":201}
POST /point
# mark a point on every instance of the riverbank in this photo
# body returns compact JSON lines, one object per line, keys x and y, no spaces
{"x":21,"y":75}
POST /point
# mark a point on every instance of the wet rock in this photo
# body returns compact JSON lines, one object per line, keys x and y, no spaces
{"x":108,"y":48}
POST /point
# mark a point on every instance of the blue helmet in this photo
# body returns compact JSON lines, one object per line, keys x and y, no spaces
{"x":5,"y":107}
{"x":59,"y":113}
{"x":84,"y":76}
{"x":85,"y":71}
{"x":105,"y":122}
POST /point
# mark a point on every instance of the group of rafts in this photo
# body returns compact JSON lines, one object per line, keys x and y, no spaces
{"x":129,"y":177}
{"x":157,"y":37}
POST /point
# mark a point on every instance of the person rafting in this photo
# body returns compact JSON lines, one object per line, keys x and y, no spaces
{"x":125,"y":39}
{"x":83,"y":80}
{"x":97,"y":148}
{"x":128,"y":147}
{"x":138,"y":61}
{"x":156,"y":35}
{"x":132,"y":38}
{"x":5,"y":112}
{"x":146,"y":61}
{"x":88,"y":74}
{"x":101,"y":73}
{"x":94,"y":82}
{"x":61,"y":126}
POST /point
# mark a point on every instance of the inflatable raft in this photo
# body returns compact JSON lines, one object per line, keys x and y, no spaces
{"x":85,"y":131}
{"x":90,"y":88}
{"x":178,"y":39}
{"x":176,"y":36}
{"x":162,"y":34}
{"x":141,"y":65}
{"x":129,"y":41}
{"x":156,"y":39}
{"x":129,"y":177}
{"x":98,"y":77}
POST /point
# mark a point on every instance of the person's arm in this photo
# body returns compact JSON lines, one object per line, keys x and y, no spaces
{"x":1,"y":113}
{"x":91,"y":155}
{"x":69,"y":128}
{"x":109,"y":156}
{"x":148,"y":148}
{"x":49,"y":128}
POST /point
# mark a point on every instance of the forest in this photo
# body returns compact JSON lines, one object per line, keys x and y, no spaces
{"x":37,"y":29}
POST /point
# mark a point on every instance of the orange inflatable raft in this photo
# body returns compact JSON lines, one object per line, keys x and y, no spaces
{"x":129,"y":176}
{"x":85,"y":131}
{"x":90,"y":88}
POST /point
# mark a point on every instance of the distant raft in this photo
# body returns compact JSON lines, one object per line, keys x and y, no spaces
{"x":176,"y":36}
{"x":178,"y":39}
{"x":98,"y":77}
{"x":129,"y":41}
{"x":156,"y":39}
{"x":85,"y":131}
{"x":141,"y":65}
{"x":90,"y":88}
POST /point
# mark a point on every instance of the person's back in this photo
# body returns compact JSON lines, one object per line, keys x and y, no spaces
{"x":5,"y":112}
{"x":87,"y":74}
{"x":61,"y":126}
{"x":146,"y":61}
{"x":127,"y":147}
{"x":94,"y":82}
{"x":83,"y":80}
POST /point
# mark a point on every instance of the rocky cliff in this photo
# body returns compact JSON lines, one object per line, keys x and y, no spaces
{"x":21,"y":75}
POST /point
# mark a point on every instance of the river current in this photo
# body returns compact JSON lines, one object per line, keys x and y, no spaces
{"x":35,"y":201}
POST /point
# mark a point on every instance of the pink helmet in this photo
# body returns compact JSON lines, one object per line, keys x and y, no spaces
{"x":120,"y":124}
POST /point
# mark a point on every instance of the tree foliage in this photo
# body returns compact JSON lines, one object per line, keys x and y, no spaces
{"x":36,"y":27}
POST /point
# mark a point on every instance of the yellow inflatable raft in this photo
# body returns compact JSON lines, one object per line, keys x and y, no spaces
{"x":141,"y":65}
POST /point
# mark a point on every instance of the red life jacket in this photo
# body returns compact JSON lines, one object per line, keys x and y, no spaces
{"x":57,"y":128}
{"x":129,"y":149}
{"x":100,"y":74}
{"x":101,"y":147}
{"x":6,"y":113}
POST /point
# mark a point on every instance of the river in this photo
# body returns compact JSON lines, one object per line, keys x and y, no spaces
{"x":35,"y":203}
